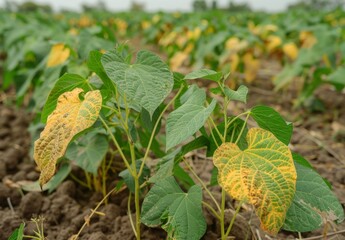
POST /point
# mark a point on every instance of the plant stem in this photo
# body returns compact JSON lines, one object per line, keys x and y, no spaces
{"x":137,"y":206}
{"x":233,"y":220}
{"x":130,"y":214}
{"x":215,"y":128}
{"x":222,"y":216}
{"x":211,"y":209}
{"x":116,"y":144}
{"x":238,"y":116}
{"x":244,"y":125}
{"x":88,"y":179}
{"x":212,"y":135}
{"x":104,"y":178}
{"x":202,"y":184}
{"x":155,"y":128}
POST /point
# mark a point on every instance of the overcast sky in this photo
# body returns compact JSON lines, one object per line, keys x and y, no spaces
{"x":154,"y":5}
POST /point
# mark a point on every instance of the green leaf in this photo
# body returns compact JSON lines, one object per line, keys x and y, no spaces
{"x":179,"y":212}
{"x":18,"y":234}
{"x":58,"y":178}
{"x":41,"y":93}
{"x":232,"y":134}
{"x":128,"y":178}
{"x":88,"y":151}
{"x":183,"y":176}
{"x":338,"y":77}
{"x":30,"y":77}
{"x":214,"y":177}
{"x":205,"y":74}
{"x":263,"y":175}
{"x":53,"y":183}
{"x":287,"y":75}
{"x":65,"y":83}
{"x":267,"y":118}
{"x":188,"y":119}
{"x":95,"y":65}
{"x":178,"y":80}
{"x":166,"y":164}
{"x":165,"y":170}
{"x":147,"y":82}
{"x":300,"y":160}
{"x":239,"y":95}
{"x":313,"y":204}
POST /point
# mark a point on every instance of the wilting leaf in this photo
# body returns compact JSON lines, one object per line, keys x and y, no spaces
{"x":179,"y":212}
{"x":59,"y":53}
{"x":67,"y":82}
{"x":263,"y":175}
{"x":71,"y":116}
{"x":313,"y":204}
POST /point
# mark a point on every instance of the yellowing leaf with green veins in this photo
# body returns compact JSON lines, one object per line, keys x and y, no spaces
{"x":263,"y":175}
{"x":58,"y":55}
{"x":71,"y":116}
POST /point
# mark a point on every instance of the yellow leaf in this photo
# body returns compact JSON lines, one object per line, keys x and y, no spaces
{"x":263,"y":175}
{"x":70,"y":117}
{"x":251,"y":67}
{"x":189,"y":48}
{"x":290,"y":50}
{"x":308,"y":39}
{"x":234,"y":61}
{"x":145,"y":25}
{"x":177,"y":60}
{"x":84,"y":21}
{"x":59,"y":53}
{"x":273,"y":42}
{"x":232,"y":43}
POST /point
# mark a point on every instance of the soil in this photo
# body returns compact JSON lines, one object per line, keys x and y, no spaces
{"x":318,"y":136}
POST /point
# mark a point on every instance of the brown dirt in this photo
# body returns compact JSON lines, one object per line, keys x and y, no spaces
{"x":319,"y":137}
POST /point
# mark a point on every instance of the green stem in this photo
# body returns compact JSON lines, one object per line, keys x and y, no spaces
{"x":225,"y":112}
{"x":238,"y":116}
{"x":211,"y":209}
{"x":137,"y":206}
{"x":202,"y":184}
{"x":117,"y":145}
{"x":155,"y":128}
{"x":215,"y":127}
{"x":104,"y":178}
{"x":242,"y":129}
{"x":222,"y":216}
{"x":233,"y":220}
{"x":130,"y":214}
{"x":79,"y":181}
{"x":212,"y":135}
{"x":88,"y":179}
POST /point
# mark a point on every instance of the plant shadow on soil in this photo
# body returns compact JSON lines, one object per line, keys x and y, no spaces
{"x":319,"y":137}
